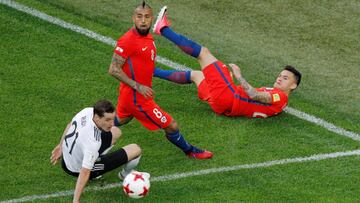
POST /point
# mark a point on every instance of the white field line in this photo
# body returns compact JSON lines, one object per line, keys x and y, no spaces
{"x":176,"y":176}
{"x":167,"y":62}
{"x":320,"y":122}
{"x":80,"y":30}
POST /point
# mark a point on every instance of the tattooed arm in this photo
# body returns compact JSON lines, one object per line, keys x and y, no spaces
{"x":116,"y":71}
{"x":251,"y":92}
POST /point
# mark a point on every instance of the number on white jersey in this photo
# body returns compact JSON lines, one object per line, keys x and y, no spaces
{"x":68,"y":136}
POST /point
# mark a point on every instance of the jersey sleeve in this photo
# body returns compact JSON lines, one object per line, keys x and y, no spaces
{"x":89,"y":159}
{"x":91,"y":153}
{"x":125,"y":46}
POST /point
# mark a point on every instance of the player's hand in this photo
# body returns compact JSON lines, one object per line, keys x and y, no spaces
{"x":146,"y":91}
{"x":56,"y":154}
{"x":235,"y":70}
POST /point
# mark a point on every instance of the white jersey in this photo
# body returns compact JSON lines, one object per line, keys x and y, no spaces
{"x":82,"y":142}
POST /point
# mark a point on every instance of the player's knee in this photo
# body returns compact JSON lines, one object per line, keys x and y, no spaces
{"x":173,"y":127}
{"x":206,"y":58}
{"x":124,"y":121}
{"x":136,"y":149}
{"x":132,"y":151}
{"x":204,"y":52}
{"x":197,"y":76}
{"x":116,"y":133}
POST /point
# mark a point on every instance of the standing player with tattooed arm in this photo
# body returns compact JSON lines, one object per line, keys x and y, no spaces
{"x":215,"y":84}
{"x":133,"y":64}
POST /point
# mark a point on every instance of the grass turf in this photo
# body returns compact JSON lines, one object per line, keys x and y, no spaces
{"x":49,"y":73}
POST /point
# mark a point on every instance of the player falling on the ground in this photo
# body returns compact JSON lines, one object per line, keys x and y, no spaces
{"x":85,"y":143}
{"x":133,"y":64}
{"x":215,"y":84}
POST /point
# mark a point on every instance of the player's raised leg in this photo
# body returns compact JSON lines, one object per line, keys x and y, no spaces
{"x":180,"y":76}
{"x":162,"y":27}
{"x":177,"y":76}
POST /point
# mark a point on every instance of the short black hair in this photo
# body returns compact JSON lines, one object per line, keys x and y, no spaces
{"x":103,"y":106}
{"x":295,"y":72}
{"x":143,"y":5}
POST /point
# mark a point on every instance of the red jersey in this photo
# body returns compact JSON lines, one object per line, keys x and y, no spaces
{"x":140,"y":53}
{"x":224,"y":97}
{"x":244,"y":106}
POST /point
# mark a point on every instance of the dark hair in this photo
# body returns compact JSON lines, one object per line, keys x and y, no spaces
{"x":143,"y":5}
{"x":103,"y":106}
{"x":295,"y":72}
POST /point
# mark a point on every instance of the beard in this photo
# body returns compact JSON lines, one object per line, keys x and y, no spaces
{"x":143,"y":32}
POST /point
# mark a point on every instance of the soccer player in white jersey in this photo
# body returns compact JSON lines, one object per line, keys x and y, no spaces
{"x":85,"y":143}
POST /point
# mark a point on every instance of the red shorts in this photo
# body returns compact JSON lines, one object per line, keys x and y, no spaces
{"x":217,"y":88}
{"x":148,"y":113}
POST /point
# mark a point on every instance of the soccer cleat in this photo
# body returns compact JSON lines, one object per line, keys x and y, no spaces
{"x":200,"y":155}
{"x":121,"y":176}
{"x":161,"y":21}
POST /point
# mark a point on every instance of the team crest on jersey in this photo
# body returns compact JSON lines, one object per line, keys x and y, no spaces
{"x":276,"y":97}
{"x":119,"y":49}
{"x":163,"y":119}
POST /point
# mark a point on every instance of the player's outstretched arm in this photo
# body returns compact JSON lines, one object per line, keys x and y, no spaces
{"x":116,"y":71}
{"x":57,"y":151}
{"x":264,"y":97}
{"x":80,"y":184}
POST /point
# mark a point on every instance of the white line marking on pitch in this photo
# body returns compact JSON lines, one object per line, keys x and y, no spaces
{"x":320,"y":122}
{"x":316,"y":157}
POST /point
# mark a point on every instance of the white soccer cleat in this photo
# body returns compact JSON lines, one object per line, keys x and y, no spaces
{"x":122,"y":174}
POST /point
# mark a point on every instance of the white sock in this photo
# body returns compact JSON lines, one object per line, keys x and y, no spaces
{"x":129,"y":166}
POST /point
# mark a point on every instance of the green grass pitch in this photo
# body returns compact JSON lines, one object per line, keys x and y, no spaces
{"x":47,"y":74}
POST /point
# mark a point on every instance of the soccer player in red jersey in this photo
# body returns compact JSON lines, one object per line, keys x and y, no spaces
{"x":215,"y":83}
{"x":133,"y":64}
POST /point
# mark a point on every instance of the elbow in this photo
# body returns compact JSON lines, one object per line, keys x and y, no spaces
{"x":111,"y":71}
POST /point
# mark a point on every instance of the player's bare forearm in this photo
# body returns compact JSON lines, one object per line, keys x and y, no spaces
{"x":80,"y":184}
{"x":251,"y":92}
{"x":64,"y":133}
{"x":116,"y":71}
{"x":57,"y":151}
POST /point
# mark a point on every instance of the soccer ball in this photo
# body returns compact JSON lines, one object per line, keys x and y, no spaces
{"x":136,"y":184}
